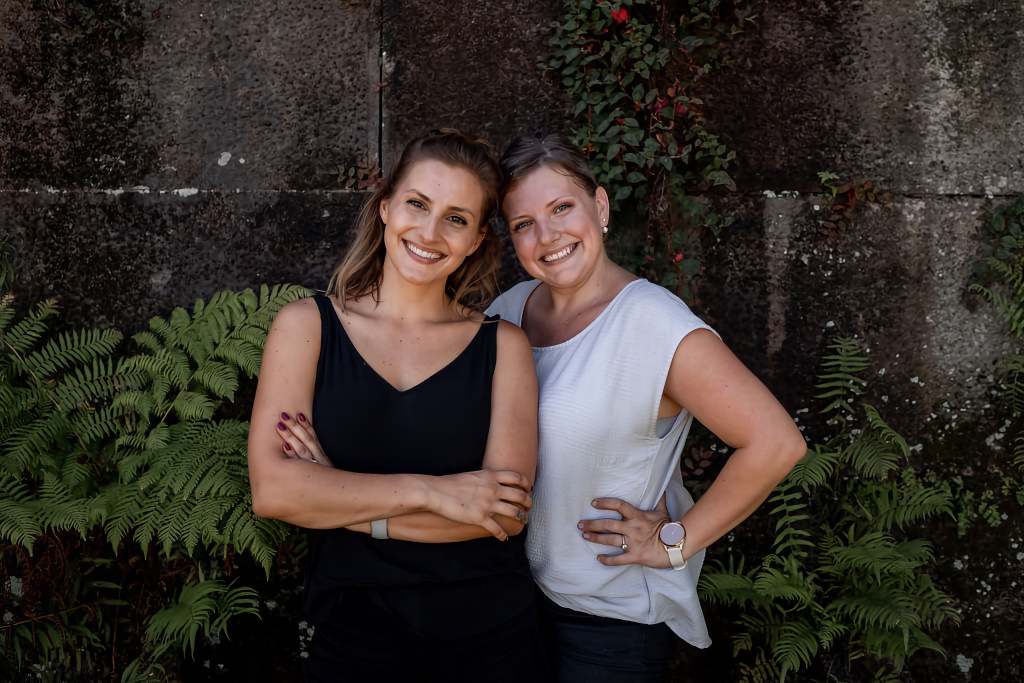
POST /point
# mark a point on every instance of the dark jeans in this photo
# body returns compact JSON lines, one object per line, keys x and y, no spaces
{"x":582,"y":648}
{"x":363,"y":643}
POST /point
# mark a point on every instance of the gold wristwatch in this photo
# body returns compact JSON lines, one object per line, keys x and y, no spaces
{"x":673,"y":537}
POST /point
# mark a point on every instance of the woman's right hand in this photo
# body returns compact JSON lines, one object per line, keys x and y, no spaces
{"x":475,"y":497}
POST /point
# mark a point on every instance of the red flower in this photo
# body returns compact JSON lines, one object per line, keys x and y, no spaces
{"x":620,"y":16}
{"x":681,"y":109}
{"x":660,"y":104}
{"x":679,"y":257}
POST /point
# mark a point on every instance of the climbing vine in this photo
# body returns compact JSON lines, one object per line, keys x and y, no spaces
{"x":635,"y":70}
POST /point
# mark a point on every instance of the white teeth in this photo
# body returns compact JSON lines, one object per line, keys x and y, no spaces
{"x":561,"y":254}
{"x":420,"y":252}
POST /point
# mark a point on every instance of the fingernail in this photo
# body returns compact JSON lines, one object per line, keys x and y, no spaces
{"x":287,"y":446}
{"x":586,"y":536}
{"x":285,"y":416}
{"x":302,"y":418}
{"x":580,"y":525}
{"x":594,"y":502}
{"x":282,"y":427}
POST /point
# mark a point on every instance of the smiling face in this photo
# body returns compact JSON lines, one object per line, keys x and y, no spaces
{"x":432,"y":222}
{"x":556,"y":227}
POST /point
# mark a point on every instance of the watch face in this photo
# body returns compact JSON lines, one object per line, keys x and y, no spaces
{"x":672,"y":534}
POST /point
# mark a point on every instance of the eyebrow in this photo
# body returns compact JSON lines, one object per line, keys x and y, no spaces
{"x":548,"y":205}
{"x":453,"y":208}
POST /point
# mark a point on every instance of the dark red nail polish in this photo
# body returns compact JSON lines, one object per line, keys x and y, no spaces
{"x":287,"y":446}
{"x":302,"y":418}
{"x":285,"y":417}
{"x":282,"y":427}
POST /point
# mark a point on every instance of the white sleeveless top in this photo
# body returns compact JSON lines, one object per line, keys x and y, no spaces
{"x":599,"y":398}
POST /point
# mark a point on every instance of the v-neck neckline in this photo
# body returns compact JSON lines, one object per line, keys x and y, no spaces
{"x":341,"y":325}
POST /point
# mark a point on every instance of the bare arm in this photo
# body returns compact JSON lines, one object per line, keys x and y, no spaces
{"x":710,"y":382}
{"x":295,"y":490}
{"x":511,"y":443}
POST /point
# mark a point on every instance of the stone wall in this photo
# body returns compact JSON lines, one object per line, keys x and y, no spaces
{"x":190,"y":152}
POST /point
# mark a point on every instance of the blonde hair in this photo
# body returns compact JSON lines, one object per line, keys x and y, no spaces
{"x":475,"y":283}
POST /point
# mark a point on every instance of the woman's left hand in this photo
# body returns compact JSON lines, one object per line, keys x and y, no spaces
{"x":638,"y":530}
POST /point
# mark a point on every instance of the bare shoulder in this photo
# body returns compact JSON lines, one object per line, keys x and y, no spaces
{"x":513,"y":345}
{"x":512,"y":336}
{"x":299,"y":317}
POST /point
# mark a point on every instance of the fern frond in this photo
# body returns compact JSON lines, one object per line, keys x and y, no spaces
{"x":27,"y":333}
{"x":874,"y":553}
{"x":18,"y":519}
{"x":795,"y":646}
{"x":70,"y":349}
{"x":814,"y":469}
{"x":885,"y":432}
{"x":870,"y":456}
{"x":219,"y":378}
{"x":886,"y":607}
{"x":190,"y":405}
{"x":727,"y":586}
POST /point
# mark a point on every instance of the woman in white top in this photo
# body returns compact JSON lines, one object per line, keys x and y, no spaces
{"x":616,"y":542}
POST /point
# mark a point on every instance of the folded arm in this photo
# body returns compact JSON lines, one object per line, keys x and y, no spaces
{"x":511,"y":444}
{"x":296,"y":490}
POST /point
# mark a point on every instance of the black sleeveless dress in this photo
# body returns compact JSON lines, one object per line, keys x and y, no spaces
{"x":438,"y":427}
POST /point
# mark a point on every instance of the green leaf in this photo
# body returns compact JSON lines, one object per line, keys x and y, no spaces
{"x":613,"y":149}
{"x":633,"y":137}
{"x":691,"y":266}
{"x":635,"y":177}
{"x":623,"y":192}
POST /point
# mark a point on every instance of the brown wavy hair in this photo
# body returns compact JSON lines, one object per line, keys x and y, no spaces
{"x":527,"y":153}
{"x":475,"y":283}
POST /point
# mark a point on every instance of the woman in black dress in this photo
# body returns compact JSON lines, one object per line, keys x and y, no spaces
{"x":415,"y":482}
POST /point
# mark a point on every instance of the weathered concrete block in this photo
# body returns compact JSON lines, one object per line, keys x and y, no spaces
{"x":117,"y":260}
{"x":778,"y":289}
{"x":923,"y":95}
{"x":470,"y":65}
{"x":253,"y":95}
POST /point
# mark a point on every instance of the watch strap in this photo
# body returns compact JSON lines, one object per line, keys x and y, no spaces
{"x":379,"y":528}
{"x":675,"y":556}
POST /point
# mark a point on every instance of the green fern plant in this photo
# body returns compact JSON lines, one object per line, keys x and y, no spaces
{"x":840,"y":571}
{"x":186,"y":480}
{"x":999,"y":278}
{"x":102,"y":448}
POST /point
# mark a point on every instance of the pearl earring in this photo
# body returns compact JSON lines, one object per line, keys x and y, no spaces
{"x":606,"y":229}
